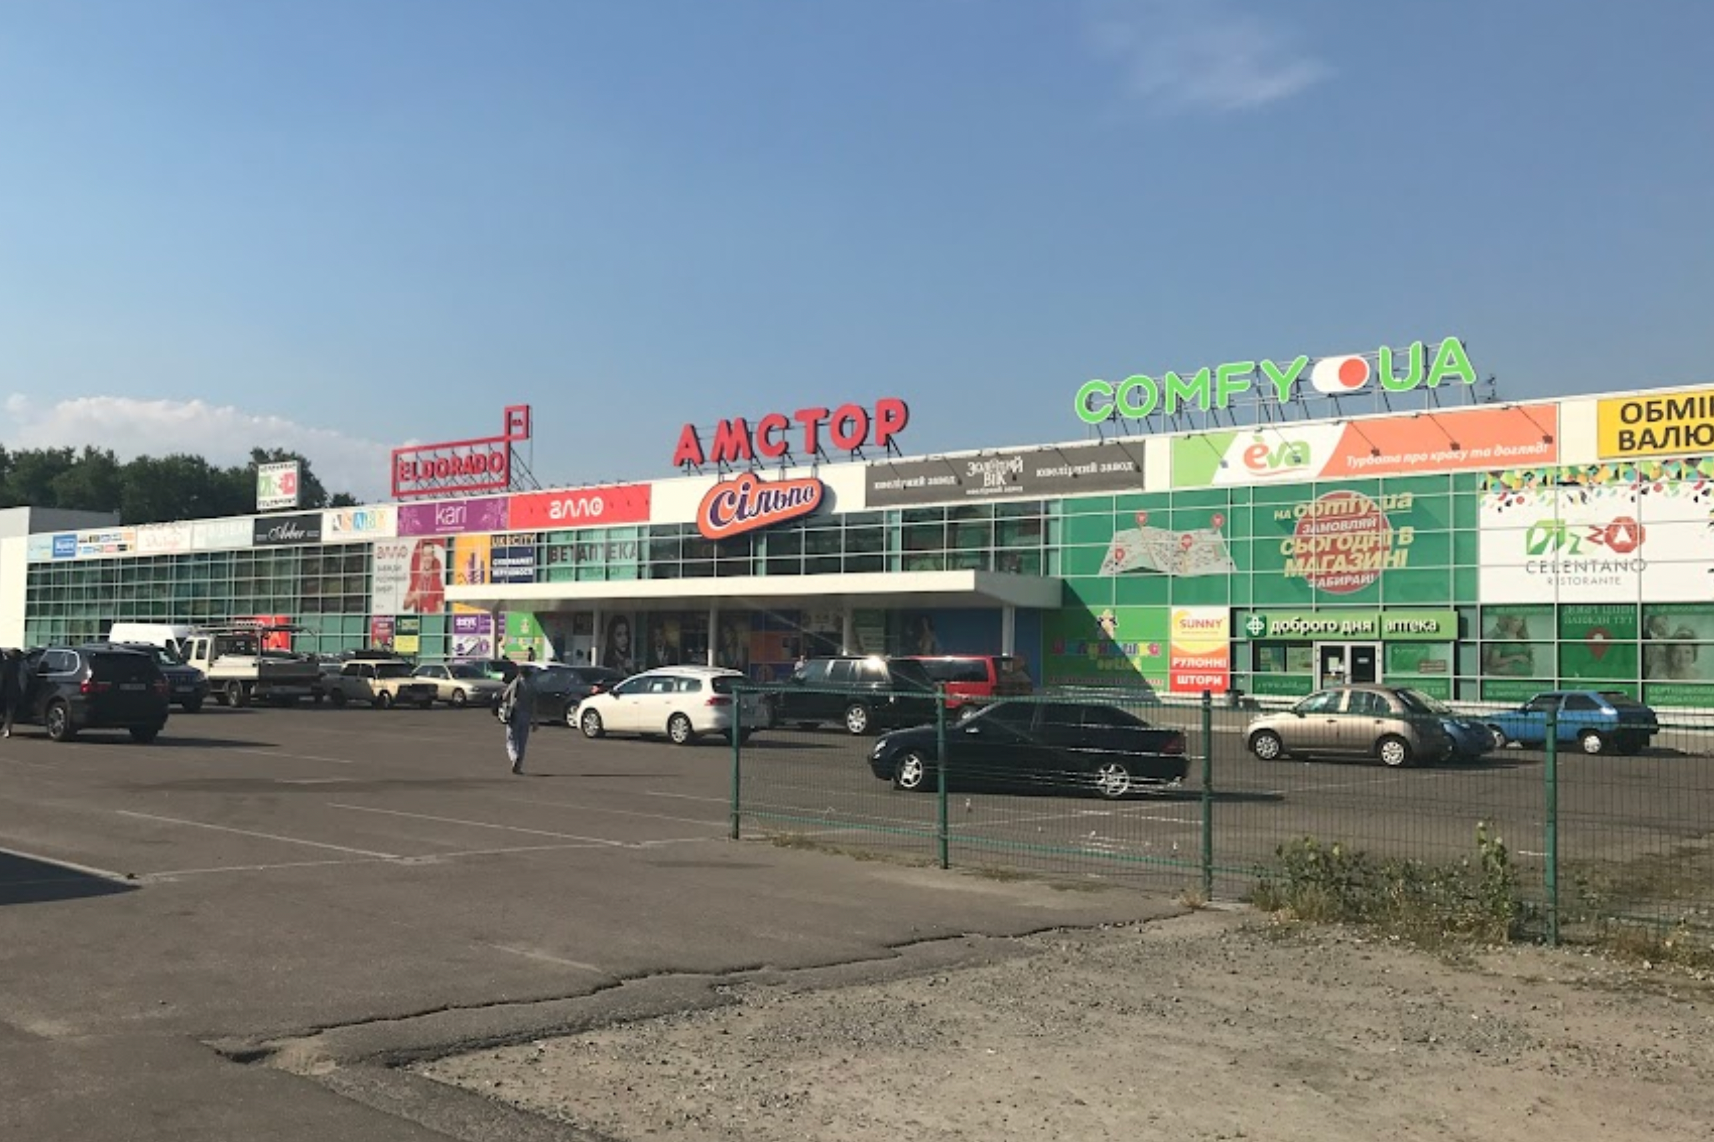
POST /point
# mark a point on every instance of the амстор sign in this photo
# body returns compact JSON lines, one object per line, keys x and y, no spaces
{"x":1212,"y":388}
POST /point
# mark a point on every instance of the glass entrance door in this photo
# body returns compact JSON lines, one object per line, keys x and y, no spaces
{"x":1347,"y":663}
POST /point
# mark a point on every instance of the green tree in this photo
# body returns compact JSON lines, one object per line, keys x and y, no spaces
{"x":93,"y":483}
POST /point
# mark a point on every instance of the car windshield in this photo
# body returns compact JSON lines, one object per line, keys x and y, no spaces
{"x":1419,"y":703}
{"x":392,"y":670}
{"x":465,"y":670}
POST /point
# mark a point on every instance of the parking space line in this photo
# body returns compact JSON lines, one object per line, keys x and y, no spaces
{"x":711,"y":822}
{"x":295,"y":756}
{"x":689,"y":797}
{"x":481,"y":825}
{"x":174,"y":873}
{"x":254,"y":833}
{"x":544,"y":957}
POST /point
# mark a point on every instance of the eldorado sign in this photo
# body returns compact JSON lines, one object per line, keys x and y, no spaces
{"x":1209,"y":389}
{"x":461,"y":466}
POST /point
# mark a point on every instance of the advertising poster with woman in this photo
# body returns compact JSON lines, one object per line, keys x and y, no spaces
{"x":1678,"y":654}
{"x":617,"y":652}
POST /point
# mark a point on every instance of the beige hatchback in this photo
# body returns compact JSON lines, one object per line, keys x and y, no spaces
{"x":1382,"y":722}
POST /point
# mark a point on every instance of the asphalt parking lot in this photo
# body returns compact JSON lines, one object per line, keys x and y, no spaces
{"x":259,"y":875}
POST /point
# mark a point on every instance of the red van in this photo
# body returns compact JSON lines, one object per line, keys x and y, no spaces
{"x":972,"y":679}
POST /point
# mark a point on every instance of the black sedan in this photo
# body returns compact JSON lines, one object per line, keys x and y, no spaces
{"x":1037,"y":746}
{"x":560,"y":688}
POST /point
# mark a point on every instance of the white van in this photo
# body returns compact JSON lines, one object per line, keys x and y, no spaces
{"x":170,"y":635}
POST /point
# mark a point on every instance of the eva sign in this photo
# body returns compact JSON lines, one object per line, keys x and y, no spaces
{"x":748,"y":503}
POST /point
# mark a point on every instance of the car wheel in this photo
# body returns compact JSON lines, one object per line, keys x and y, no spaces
{"x":1592,"y":742}
{"x":236,"y":695}
{"x":191,"y":705}
{"x":459,"y":698}
{"x":679,"y":730}
{"x":337,"y":698}
{"x":384,"y":700}
{"x":1267,"y":746}
{"x":591,"y":724}
{"x":143,"y":735}
{"x":1112,"y":780}
{"x":1394,"y":752}
{"x":911,"y":773}
{"x":1501,"y":741}
{"x":57,"y":720}
{"x":857,"y":719}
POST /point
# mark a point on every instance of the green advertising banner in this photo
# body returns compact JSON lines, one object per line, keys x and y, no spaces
{"x":1121,"y":647}
{"x":523,"y":634}
{"x":1333,"y":626}
{"x":1598,"y":641}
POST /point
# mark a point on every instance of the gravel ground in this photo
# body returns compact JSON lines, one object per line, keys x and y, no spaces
{"x":1211,"y":1026}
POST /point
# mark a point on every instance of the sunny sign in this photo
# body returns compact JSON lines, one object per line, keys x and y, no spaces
{"x":1215,"y":388}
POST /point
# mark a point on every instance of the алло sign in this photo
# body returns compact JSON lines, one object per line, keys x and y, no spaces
{"x":279,"y":530}
{"x":1209,"y":389}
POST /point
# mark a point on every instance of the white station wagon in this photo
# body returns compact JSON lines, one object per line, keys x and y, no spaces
{"x":682,"y":702}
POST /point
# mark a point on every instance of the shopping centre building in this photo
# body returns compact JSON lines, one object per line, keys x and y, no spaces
{"x":1214,"y":530}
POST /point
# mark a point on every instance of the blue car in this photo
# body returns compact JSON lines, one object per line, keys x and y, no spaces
{"x":1597,"y":721}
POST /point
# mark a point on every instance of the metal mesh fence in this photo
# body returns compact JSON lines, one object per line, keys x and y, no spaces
{"x":1601,"y":820}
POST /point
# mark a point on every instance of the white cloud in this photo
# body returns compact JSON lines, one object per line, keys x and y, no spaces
{"x":1202,"y":55}
{"x":221,"y":434}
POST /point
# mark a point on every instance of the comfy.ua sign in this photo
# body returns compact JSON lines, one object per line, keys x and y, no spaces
{"x":580,"y":507}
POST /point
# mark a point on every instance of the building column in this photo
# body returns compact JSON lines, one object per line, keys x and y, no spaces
{"x":713,"y":632}
{"x":595,"y":634}
{"x":1008,"y":629}
{"x":848,"y":629}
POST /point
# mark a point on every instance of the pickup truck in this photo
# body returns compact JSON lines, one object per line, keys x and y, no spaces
{"x":240,"y":671}
{"x":382,"y":684}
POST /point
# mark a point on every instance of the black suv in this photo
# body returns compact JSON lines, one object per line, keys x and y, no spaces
{"x":865,"y":694}
{"x":69,"y":689}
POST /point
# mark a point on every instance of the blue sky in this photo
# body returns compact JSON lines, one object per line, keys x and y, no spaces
{"x":343,"y":224}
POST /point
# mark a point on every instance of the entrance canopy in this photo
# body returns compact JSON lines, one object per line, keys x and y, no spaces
{"x":916,"y":589}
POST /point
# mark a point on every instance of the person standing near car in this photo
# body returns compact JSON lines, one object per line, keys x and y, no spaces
{"x":518,"y":711}
{"x":11,"y":689}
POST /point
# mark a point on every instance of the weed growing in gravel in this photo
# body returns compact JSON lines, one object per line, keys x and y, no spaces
{"x":1471,"y":900}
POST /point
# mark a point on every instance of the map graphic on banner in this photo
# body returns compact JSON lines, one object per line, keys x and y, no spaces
{"x":1201,"y":551}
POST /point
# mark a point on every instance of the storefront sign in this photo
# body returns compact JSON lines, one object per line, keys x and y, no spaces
{"x":1211,"y":389}
{"x":514,"y":557}
{"x":461,"y":466}
{"x":1474,"y":439}
{"x":581,"y":507}
{"x":65,"y":546}
{"x":747,"y":503}
{"x":472,"y":633}
{"x":1357,"y":626}
{"x":1012,"y":474}
{"x":453,"y":517}
{"x":221,"y":534}
{"x":106,"y":542}
{"x":1655,"y":426}
{"x":848,"y":428}
{"x":163,"y":538}
{"x":472,"y":560}
{"x":409,"y":577}
{"x":344,"y":524}
{"x":274,"y":531}
{"x":408,"y":634}
{"x":1342,"y":541}
{"x":277,"y":486}
{"x":381,"y":632}
{"x":1614,"y":533}
{"x":1200,"y":654}
{"x":1121,"y":648}
{"x":39,"y":549}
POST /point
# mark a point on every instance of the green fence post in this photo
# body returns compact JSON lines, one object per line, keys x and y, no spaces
{"x":1207,"y":796}
{"x":1550,"y":842}
{"x":737,"y":756}
{"x":941,"y":828}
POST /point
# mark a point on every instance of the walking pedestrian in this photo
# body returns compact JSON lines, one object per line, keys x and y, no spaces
{"x":11,"y":689}
{"x":518,"y":711}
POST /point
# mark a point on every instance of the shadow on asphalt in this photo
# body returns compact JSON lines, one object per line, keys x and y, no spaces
{"x":26,"y":880}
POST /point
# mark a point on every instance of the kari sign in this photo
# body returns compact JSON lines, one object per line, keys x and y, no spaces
{"x":1011,"y":474}
{"x":580,"y":507}
{"x":1200,"y":654}
{"x":747,"y":503}
{"x":1479,"y":438}
{"x":1599,"y":534}
{"x":461,"y":466}
{"x":453,"y":517}
{"x":846,"y":429}
{"x":277,"y":486}
{"x":1655,"y":425}
{"x":1212,"y":389}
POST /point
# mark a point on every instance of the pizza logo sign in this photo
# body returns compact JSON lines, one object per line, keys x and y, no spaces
{"x":748,"y":503}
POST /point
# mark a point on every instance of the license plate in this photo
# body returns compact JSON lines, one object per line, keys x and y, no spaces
{"x":132,"y":686}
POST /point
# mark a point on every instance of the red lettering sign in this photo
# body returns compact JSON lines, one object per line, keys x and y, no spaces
{"x":579,"y":507}
{"x":847,"y":428}
{"x":733,"y":507}
{"x":461,"y":466}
